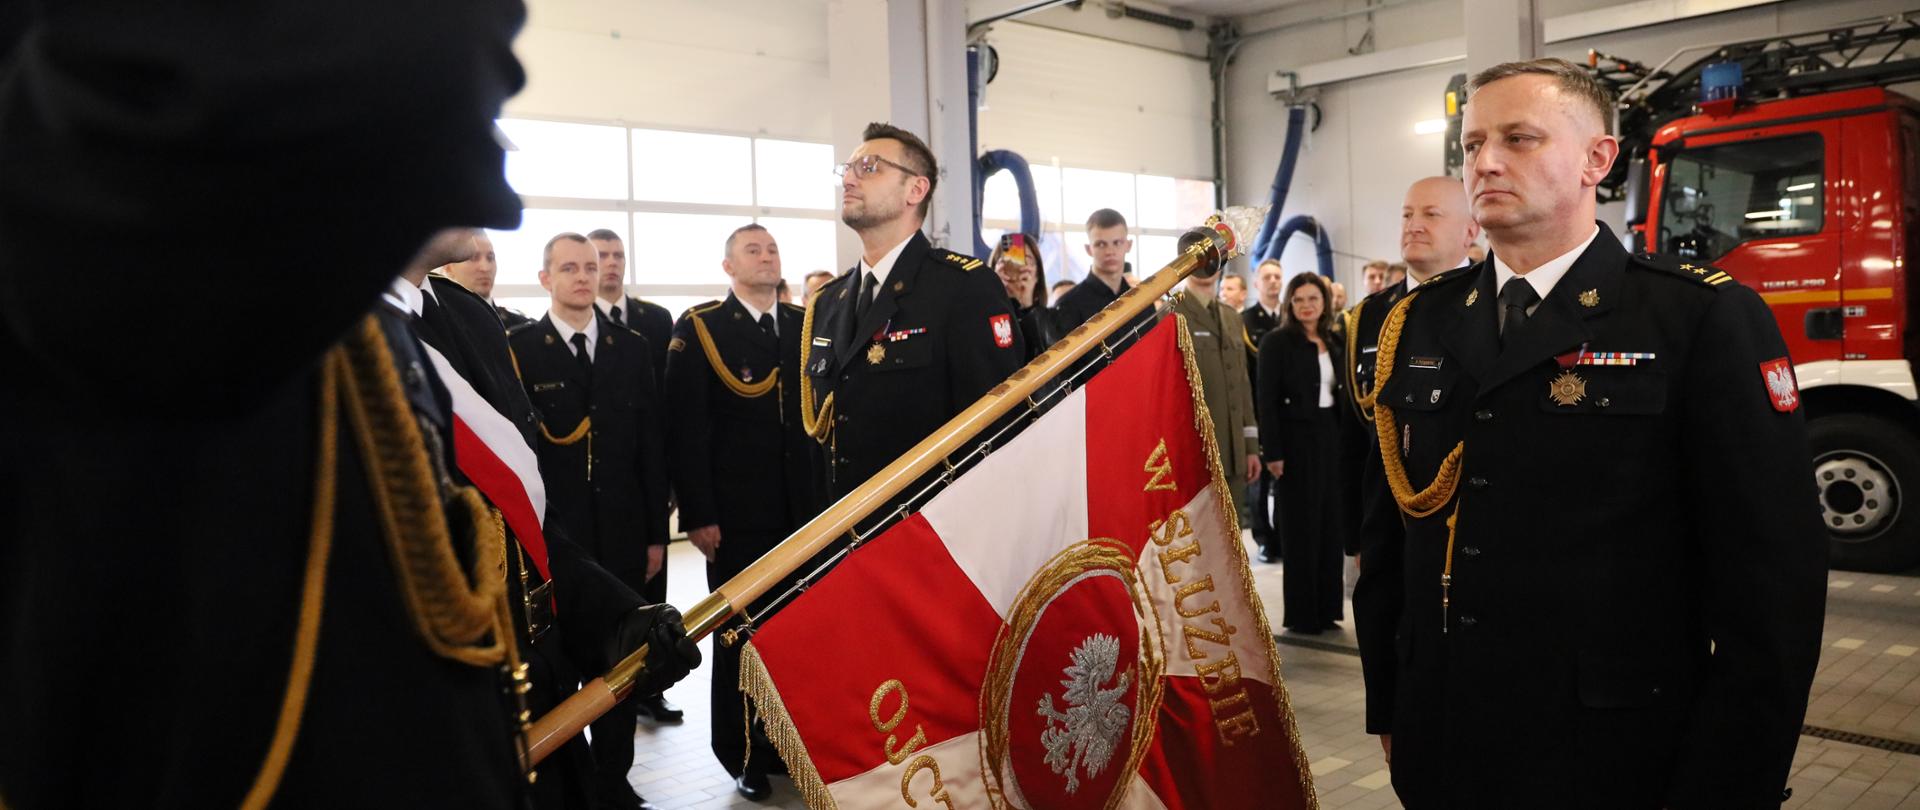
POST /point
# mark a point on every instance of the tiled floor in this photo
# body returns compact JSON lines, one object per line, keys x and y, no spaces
{"x":1868,"y":684}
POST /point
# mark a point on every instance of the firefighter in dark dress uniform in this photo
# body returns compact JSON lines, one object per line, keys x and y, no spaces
{"x":1610,"y":589}
{"x":600,"y":449}
{"x":742,"y":467}
{"x":193,"y":519}
{"x":1259,"y":318}
{"x":911,"y":336}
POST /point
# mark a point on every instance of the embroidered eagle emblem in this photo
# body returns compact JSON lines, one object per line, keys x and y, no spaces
{"x":1085,"y":736}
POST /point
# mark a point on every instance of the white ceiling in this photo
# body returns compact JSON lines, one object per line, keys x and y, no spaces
{"x":1227,"y":8}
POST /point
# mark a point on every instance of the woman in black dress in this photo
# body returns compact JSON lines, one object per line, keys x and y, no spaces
{"x":1299,"y":414}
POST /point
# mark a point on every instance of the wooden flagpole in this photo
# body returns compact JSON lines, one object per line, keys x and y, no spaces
{"x":1203,"y":252}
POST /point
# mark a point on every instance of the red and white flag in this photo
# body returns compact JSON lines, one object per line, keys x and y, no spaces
{"x":1071,"y":624}
{"x":492,"y":454}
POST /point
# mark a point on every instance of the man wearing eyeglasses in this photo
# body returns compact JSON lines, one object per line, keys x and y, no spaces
{"x":911,"y":335}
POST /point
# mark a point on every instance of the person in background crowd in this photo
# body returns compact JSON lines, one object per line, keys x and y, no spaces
{"x":1610,"y":591}
{"x":908,"y":337}
{"x":1016,"y":259}
{"x":1059,"y":288}
{"x":1339,"y":293}
{"x":783,"y":292}
{"x":477,"y":274}
{"x":1220,"y":351}
{"x":1233,"y":292}
{"x":741,"y":464}
{"x":1108,"y":244}
{"x":1396,"y":273}
{"x":814,"y":281}
{"x":600,"y":449}
{"x":1261,"y":317}
{"x":1300,"y":415}
{"x":1374,"y":274}
{"x":1477,"y":253}
{"x":652,"y":322}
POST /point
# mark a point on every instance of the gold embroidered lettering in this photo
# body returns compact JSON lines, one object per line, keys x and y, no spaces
{"x":1174,"y":555}
{"x":1225,"y":673}
{"x":887,"y":746}
{"x":1223,"y":638}
{"x":939,"y":793}
{"x":1162,"y":469}
{"x":1176,"y":526}
{"x":1180,"y":598}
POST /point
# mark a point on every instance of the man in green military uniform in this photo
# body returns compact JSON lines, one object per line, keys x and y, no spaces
{"x":1219,"y":349}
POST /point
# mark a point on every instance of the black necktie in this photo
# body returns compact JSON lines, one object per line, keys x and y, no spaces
{"x":614,"y":313}
{"x":1515,"y":299}
{"x":867,"y":283}
{"x":766,"y":324}
{"x":579,"y":341}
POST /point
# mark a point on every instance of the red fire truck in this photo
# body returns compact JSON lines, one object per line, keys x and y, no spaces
{"x":1788,"y":163}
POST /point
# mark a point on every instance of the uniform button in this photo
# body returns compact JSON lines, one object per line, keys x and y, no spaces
{"x":1477,"y":482}
{"x":1471,"y":551}
{"x":1656,"y":691}
{"x":1483,"y":416}
{"x":1409,"y":399}
{"x":1604,"y":402}
{"x":1467,"y":620}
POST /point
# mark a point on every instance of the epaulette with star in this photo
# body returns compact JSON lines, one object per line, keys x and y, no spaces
{"x":1698,"y":272}
{"x":1448,"y":276}
{"x":700,"y":309}
{"x":961,"y":260}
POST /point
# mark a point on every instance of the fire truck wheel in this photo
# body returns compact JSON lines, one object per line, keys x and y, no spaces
{"x":1864,"y":467}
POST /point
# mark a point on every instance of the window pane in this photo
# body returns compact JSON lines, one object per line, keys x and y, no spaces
{"x":1720,"y":196}
{"x":1153,"y":252}
{"x":519,"y":251}
{"x":806,"y":245}
{"x":792,"y":174}
{"x":1075,"y":253}
{"x":679,"y":248}
{"x":554,"y":159}
{"x":1088,"y":191}
{"x":1157,"y":203}
{"x":1193,"y":202}
{"x":691,"y":167}
{"x":532,"y":307}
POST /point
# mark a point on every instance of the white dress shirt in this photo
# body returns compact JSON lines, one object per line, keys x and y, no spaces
{"x":566,"y":331}
{"x":1544,"y":277}
{"x":755,"y":314}
{"x":881,"y":270}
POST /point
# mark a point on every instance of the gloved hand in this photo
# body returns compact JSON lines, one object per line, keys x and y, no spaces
{"x":670,"y":654}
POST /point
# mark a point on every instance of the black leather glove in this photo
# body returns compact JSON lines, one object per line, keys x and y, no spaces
{"x":670,"y":654}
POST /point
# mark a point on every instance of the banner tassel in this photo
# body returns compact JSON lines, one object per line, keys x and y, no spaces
{"x":758,"y":685}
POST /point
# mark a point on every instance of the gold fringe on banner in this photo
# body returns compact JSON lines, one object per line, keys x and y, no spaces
{"x":1203,"y":421}
{"x":758,"y":684}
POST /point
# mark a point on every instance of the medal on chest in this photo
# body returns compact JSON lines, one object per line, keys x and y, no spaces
{"x":876,"y":353}
{"x":1568,"y":388}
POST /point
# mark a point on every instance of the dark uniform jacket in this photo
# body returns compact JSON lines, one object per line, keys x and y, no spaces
{"x":1638,"y":569}
{"x":938,"y":336}
{"x":1289,"y":394}
{"x":1257,"y":324}
{"x":738,"y":455}
{"x":511,"y":318}
{"x":463,"y":328}
{"x":654,"y":323}
{"x":608,"y":486}
{"x":1362,"y":334}
{"x":157,"y":486}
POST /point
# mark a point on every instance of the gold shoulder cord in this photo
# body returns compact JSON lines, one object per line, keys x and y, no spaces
{"x":815,"y":424}
{"x":1362,"y":402}
{"x":1427,"y":501}
{"x":1445,"y":481}
{"x":720,"y":370}
{"x":461,"y":615}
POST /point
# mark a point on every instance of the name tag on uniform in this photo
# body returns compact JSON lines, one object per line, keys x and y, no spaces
{"x":1202,"y":333}
{"x":822,"y":343}
{"x":1426,"y":362}
{"x":539,"y":388}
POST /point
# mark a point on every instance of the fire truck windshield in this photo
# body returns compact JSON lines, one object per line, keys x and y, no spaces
{"x":1719,"y":197}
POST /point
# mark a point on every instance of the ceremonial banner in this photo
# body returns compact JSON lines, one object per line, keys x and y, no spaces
{"x":493,"y":455}
{"x":1071,"y":624}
